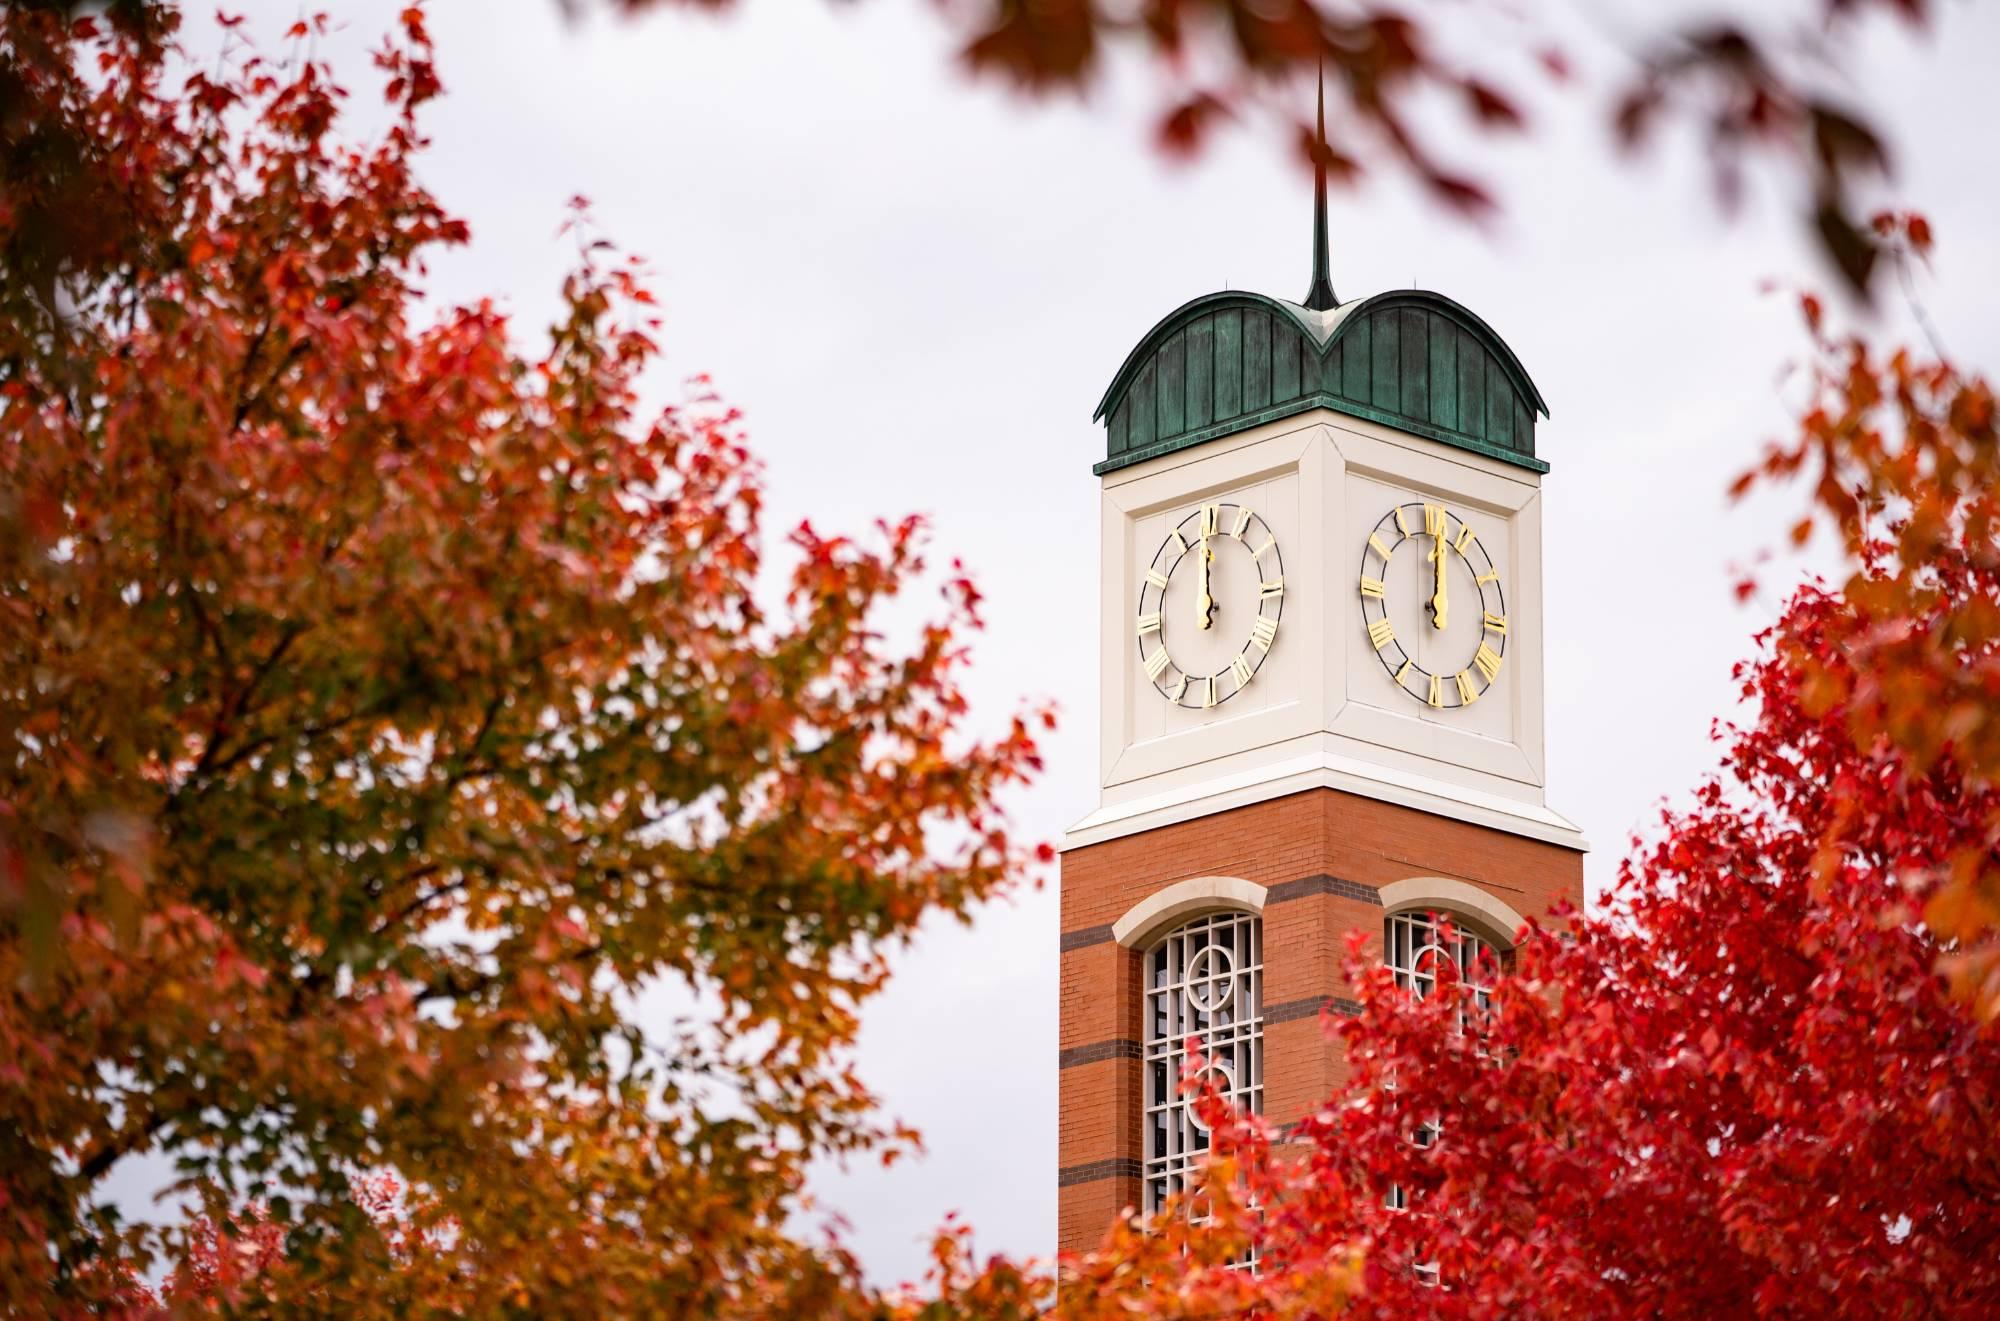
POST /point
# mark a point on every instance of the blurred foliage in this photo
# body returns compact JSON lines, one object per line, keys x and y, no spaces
{"x":382,"y":709}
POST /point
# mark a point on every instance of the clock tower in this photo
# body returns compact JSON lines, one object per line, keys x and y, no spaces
{"x":1322,"y":706}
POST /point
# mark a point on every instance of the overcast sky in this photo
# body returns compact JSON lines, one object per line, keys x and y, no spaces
{"x":916,"y":290}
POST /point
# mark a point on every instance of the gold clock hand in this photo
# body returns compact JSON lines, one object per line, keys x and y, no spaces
{"x":1438,"y":601}
{"x":1204,"y":602}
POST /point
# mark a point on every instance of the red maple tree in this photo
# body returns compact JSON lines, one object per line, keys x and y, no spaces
{"x":1742,"y":1087}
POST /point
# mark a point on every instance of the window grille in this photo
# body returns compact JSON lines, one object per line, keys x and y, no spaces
{"x":1417,"y":950}
{"x":1206,"y":980}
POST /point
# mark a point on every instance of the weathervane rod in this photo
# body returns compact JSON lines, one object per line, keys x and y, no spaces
{"x":1321,"y":297}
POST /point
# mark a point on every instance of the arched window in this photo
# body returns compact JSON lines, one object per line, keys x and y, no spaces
{"x":1417,"y":950}
{"x":1205,"y":979}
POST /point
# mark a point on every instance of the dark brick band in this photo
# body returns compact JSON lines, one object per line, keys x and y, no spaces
{"x":1306,"y":886}
{"x":1084,"y":937}
{"x":1118,"y":1167}
{"x":1118,"y":1048}
{"x":1283,"y":892}
{"x":1310,"y":1008}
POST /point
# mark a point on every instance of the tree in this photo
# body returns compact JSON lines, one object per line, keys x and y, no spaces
{"x":1906,"y":432}
{"x":382,"y":707}
{"x":1760,"y":99}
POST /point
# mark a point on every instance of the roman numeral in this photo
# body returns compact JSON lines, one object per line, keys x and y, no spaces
{"x":1208,"y":692}
{"x":1258,"y":553}
{"x":1375,"y":544}
{"x":1155,"y":663}
{"x":1210,"y":516}
{"x":1466,"y":695}
{"x":1264,"y":631}
{"x":1242,"y":522}
{"x":1158,"y":579}
{"x":1372,"y":587}
{"x":1434,"y":520}
{"x":1240,"y":667}
{"x":1498,"y":623}
{"x":1490,"y":576}
{"x":1401,"y":526}
{"x":1149,"y":623}
{"x":1272,"y":590}
{"x":1488,"y":661}
{"x":1179,"y":541}
{"x":1437,"y":692}
{"x":1464,"y":538}
{"x":1404,"y":669}
{"x":1180,"y":690}
{"x":1381,"y":633}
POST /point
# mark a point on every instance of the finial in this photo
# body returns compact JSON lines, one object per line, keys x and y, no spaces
{"x":1321,"y":296}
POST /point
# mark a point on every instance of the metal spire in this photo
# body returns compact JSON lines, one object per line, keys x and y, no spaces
{"x":1321,"y":296}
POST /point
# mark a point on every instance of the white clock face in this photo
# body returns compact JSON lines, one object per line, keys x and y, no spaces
{"x":1209,"y":605}
{"x":1434,"y":606}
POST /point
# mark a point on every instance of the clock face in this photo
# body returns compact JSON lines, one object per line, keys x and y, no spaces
{"x":1434,"y":606}
{"x":1209,"y":605}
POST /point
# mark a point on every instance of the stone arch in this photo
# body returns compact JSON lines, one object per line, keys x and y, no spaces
{"x":1488,"y":916}
{"x":1166,"y":908}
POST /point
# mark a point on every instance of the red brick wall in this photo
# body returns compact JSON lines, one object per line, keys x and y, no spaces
{"x":1322,"y":854}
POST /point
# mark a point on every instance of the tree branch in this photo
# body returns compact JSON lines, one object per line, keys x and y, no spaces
{"x":99,"y":1162}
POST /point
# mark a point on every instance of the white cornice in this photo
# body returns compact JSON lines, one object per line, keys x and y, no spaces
{"x":1325,"y":770}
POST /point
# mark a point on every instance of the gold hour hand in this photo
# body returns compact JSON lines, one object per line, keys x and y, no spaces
{"x":1438,"y":601}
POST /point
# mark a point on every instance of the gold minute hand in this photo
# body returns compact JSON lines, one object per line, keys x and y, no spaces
{"x":1438,"y":602}
{"x":1204,"y":603}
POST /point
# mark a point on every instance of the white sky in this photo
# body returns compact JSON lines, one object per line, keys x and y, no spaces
{"x":917,"y":288}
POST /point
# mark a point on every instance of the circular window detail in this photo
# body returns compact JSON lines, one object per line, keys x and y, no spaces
{"x":1211,"y":979}
{"x":1217,"y":1076}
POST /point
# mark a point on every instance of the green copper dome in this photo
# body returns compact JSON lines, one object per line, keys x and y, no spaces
{"x":1408,"y":358}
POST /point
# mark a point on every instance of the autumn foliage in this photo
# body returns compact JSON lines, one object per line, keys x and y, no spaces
{"x":383,"y":707}
{"x":1752,"y":88}
{"x":1902,"y":455}
{"x":1766,"y":95}
{"x":1740,"y":1088}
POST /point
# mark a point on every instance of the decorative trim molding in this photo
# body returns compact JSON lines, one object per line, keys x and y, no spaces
{"x":1118,"y":1167}
{"x":1182,"y":900}
{"x":1317,"y":399}
{"x":1117,"y":1048}
{"x":1084,"y":937}
{"x":1310,"y":1007}
{"x":1307,"y":886}
{"x":1487,"y":914}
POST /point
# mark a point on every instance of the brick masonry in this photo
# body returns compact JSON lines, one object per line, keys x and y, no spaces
{"x":1322,"y":856}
